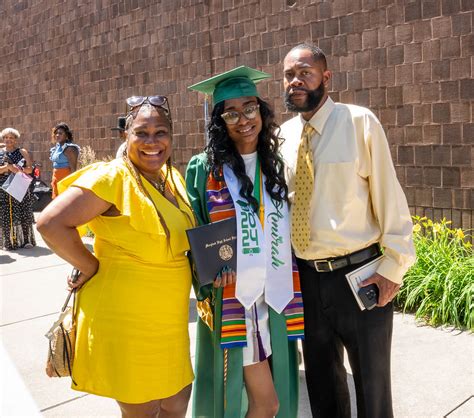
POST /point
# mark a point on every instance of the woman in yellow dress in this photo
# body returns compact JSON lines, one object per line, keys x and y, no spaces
{"x":132,"y":342}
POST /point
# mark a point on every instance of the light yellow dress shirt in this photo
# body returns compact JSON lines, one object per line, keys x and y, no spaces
{"x":357,"y":199}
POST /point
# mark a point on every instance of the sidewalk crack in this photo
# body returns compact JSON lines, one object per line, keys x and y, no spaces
{"x":459,"y":406}
{"x":28,"y":319}
{"x":63,"y":403}
{"x":36,"y":269}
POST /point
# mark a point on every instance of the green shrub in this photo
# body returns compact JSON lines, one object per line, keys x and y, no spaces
{"x":439,"y":287}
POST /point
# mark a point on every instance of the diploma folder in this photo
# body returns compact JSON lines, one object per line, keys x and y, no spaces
{"x":357,"y":276}
{"x":213,"y":246}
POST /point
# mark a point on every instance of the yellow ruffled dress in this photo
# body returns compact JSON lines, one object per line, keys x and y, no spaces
{"x":133,"y":342}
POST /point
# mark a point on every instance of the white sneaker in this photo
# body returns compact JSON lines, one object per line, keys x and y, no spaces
{"x":28,"y":246}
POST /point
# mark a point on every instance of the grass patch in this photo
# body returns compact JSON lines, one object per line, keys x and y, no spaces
{"x":439,"y":287}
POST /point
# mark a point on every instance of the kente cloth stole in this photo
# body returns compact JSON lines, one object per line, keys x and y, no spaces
{"x":233,"y":332}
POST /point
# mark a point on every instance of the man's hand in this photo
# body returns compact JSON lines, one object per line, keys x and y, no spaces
{"x":387,"y":289}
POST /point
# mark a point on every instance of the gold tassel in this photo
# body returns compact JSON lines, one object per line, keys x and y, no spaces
{"x":225,"y":376}
{"x":206,"y":117}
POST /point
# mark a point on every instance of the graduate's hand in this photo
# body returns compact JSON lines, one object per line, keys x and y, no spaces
{"x":387,"y":288}
{"x":225,"y":277}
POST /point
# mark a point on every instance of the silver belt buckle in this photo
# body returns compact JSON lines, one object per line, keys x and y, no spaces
{"x":323,"y":261}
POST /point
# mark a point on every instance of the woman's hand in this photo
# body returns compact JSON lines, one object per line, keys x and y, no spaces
{"x":13,"y":168}
{"x":77,"y":284}
{"x":225,"y":277}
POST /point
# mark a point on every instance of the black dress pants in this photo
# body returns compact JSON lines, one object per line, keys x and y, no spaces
{"x":333,"y":320}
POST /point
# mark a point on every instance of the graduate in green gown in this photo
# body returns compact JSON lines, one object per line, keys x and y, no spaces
{"x":250,"y":319}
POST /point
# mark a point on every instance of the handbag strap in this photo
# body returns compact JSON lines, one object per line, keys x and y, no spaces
{"x":74,"y":276}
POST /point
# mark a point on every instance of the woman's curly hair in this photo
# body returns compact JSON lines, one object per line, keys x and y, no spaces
{"x":221,"y":150}
{"x":64,"y":126}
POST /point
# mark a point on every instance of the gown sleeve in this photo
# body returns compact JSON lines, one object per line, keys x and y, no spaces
{"x":196,"y":178}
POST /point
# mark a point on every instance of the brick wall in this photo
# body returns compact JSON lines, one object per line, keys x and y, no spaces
{"x":410,"y":61}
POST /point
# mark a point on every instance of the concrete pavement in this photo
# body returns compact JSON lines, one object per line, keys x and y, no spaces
{"x":432,"y":369}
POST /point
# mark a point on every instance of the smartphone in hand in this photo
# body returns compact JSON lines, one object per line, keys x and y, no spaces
{"x":369,"y":295}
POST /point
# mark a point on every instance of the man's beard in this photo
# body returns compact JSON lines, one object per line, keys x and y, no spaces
{"x":313,"y":99}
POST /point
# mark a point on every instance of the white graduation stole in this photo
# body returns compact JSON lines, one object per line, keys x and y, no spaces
{"x":264,"y":262}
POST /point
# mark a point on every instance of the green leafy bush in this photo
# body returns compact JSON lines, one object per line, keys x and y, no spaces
{"x":439,"y":287}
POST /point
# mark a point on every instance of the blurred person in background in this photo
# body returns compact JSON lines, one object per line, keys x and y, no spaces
{"x":64,"y":155}
{"x":16,"y":218}
{"x":121,"y":120}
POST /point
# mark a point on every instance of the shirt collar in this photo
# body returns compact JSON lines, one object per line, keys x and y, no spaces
{"x":321,"y":116}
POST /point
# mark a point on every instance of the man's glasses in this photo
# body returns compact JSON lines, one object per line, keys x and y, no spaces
{"x":232,"y":117}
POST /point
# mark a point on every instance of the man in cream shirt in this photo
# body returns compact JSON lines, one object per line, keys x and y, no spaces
{"x":355,"y":205}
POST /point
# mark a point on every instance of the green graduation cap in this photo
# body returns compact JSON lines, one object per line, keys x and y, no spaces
{"x":239,"y":82}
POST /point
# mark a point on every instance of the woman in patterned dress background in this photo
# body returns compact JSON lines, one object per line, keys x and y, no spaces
{"x":16,"y":220}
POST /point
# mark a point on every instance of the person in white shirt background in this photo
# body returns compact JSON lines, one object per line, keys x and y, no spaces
{"x":347,"y":208}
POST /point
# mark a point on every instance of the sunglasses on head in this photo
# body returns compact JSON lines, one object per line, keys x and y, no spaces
{"x":232,"y":117}
{"x":135,"y":101}
{"x":156,"y":101}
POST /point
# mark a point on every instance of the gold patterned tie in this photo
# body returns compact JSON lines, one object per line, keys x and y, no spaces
{"x":304,"y":182}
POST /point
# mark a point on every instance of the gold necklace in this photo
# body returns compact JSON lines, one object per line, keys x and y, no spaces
{"x":160,"y":186}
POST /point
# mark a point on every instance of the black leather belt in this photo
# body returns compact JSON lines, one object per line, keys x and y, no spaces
{"x":331,"y":264}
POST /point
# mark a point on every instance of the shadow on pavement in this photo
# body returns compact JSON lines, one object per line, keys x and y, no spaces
{"x":34,"y":252}
{"x":6,"y":259}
